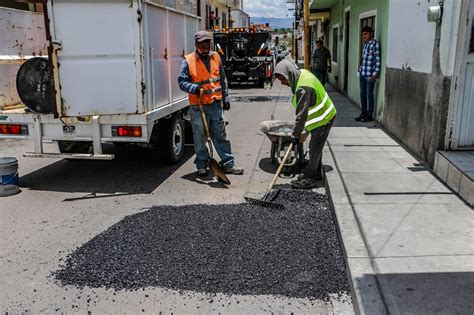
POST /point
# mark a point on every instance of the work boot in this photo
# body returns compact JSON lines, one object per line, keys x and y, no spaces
{"x":360,"y":117}
{"x":305,"y":183}
{"x":306,"y":176}
{"x":367,"y":118}
{"x":234,"y":170}
{"x":202,"y":172}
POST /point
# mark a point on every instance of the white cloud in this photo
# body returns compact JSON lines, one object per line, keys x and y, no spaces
{"x":267,"y":8}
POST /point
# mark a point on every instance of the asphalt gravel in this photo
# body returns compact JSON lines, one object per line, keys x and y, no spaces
{"x":230,"y":249}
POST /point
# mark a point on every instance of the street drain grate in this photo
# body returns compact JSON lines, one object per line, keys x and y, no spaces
{"x":230,"y":249}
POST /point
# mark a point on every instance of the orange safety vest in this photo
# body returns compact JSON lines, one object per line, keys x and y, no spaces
{"x":210,"y":81}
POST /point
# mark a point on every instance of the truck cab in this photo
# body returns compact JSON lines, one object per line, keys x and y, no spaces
{"x":246,"y":55}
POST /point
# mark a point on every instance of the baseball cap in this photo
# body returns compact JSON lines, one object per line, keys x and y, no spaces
{"x":201,"y":36}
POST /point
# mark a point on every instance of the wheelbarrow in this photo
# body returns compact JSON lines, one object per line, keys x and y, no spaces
{"x":279,"y":132}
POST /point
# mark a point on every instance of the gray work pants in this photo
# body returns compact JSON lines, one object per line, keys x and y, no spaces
{"x":316,"y":145}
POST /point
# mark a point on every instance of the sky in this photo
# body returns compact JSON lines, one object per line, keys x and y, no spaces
{"x":267,"y":8}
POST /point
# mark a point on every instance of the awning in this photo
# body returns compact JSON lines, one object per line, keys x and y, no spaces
{"x":322,"y":4}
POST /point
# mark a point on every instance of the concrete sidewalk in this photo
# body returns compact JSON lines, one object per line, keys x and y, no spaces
{"x":408,"y":238}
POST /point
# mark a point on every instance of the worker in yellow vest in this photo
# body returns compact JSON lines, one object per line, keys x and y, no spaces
{"x":315,"y":114}
{"x":202,"y":76}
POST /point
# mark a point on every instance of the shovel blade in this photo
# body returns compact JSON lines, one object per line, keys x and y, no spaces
{"x":218,"y":172}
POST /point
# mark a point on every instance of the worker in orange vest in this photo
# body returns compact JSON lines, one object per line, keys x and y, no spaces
{"x":202,"y":76}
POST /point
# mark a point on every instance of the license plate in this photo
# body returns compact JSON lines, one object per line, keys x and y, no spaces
{"x":69,"y":129}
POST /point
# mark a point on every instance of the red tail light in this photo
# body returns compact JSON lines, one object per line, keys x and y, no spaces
{"x":268,"y":52}
{"x":6,"y":129}
{"x":127,"y":131}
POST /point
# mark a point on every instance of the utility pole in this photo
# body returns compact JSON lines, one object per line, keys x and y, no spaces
{"x":306,"y":34}
{"x":294,"y":50}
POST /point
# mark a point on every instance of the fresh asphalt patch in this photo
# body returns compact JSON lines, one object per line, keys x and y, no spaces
{"x":231,"y":249}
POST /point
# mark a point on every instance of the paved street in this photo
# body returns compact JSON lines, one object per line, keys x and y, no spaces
{"x":64,"y":204}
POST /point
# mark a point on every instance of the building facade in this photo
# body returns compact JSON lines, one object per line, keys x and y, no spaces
{"x":425,"y":94}
{"x":216,"y":14}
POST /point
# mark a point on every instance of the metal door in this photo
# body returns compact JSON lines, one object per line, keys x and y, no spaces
{"x":463,"y":133}
{"x":157,"y":30}
{"x":177,"y":50}
{"x":99,"y":56}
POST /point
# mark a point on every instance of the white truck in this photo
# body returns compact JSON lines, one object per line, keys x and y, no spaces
{"x":109,"y":76}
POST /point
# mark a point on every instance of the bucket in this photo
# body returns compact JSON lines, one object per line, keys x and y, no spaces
{"x":8,"y":176}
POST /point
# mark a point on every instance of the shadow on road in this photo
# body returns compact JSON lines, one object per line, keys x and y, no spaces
{"x":134,"y":170}
{"x":208,"y":180}
{"x":427,"y":293}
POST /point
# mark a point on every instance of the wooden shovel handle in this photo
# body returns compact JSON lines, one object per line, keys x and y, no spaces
{"x":203,"y":116}
{"x":204,"y":121}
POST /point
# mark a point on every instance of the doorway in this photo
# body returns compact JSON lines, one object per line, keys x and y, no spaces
{"x":347,"y":27}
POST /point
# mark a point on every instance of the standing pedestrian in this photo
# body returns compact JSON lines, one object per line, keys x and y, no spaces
{"x":202,"y":76}
{"x":211,"y":20}
{"x":315,"y":114}
{"x":369,"y":72}
{"x":321,"y":62}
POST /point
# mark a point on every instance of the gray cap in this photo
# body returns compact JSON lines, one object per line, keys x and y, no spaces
{"x":202,"y":36}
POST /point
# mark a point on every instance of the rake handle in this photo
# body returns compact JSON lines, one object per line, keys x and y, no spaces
{"x":280,"y":167}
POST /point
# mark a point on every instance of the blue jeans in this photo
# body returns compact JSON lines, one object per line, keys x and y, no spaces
{"x":216,"y":123}
{"x":367,"y":95}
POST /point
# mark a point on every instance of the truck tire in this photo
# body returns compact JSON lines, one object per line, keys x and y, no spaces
{"x":171,"y":139}
{"x":82,"y":147}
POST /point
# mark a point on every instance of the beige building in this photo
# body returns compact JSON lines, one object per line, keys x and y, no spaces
{"x":216,"y":13}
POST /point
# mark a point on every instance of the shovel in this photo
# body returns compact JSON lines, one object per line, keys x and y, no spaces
{"x":214,"y":166}
{"x":263,"y":202}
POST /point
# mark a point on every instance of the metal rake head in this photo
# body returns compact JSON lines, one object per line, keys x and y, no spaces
{"x":265,"y":204}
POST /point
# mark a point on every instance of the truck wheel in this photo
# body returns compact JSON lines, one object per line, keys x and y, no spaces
{"x":82,"y":147}
{"x":171,"y":135}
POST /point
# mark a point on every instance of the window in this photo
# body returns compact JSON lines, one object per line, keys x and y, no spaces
{"x":366,"y":19}
{"x":198,"y":7}
{"x":471,"y":45}
{"x":224,"y":20}
{"x":335,"y":35}
{"x":208,"y":12}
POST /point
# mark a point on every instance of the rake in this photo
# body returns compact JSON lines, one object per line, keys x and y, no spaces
{"x":263,"y":202}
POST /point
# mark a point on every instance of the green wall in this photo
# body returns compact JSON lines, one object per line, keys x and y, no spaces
{"x":337,"y":17}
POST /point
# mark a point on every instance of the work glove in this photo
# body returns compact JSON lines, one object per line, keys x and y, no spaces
{"x":226,"y":105}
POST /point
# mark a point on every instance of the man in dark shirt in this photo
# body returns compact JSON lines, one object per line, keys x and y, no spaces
{"x":321,"y":62}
